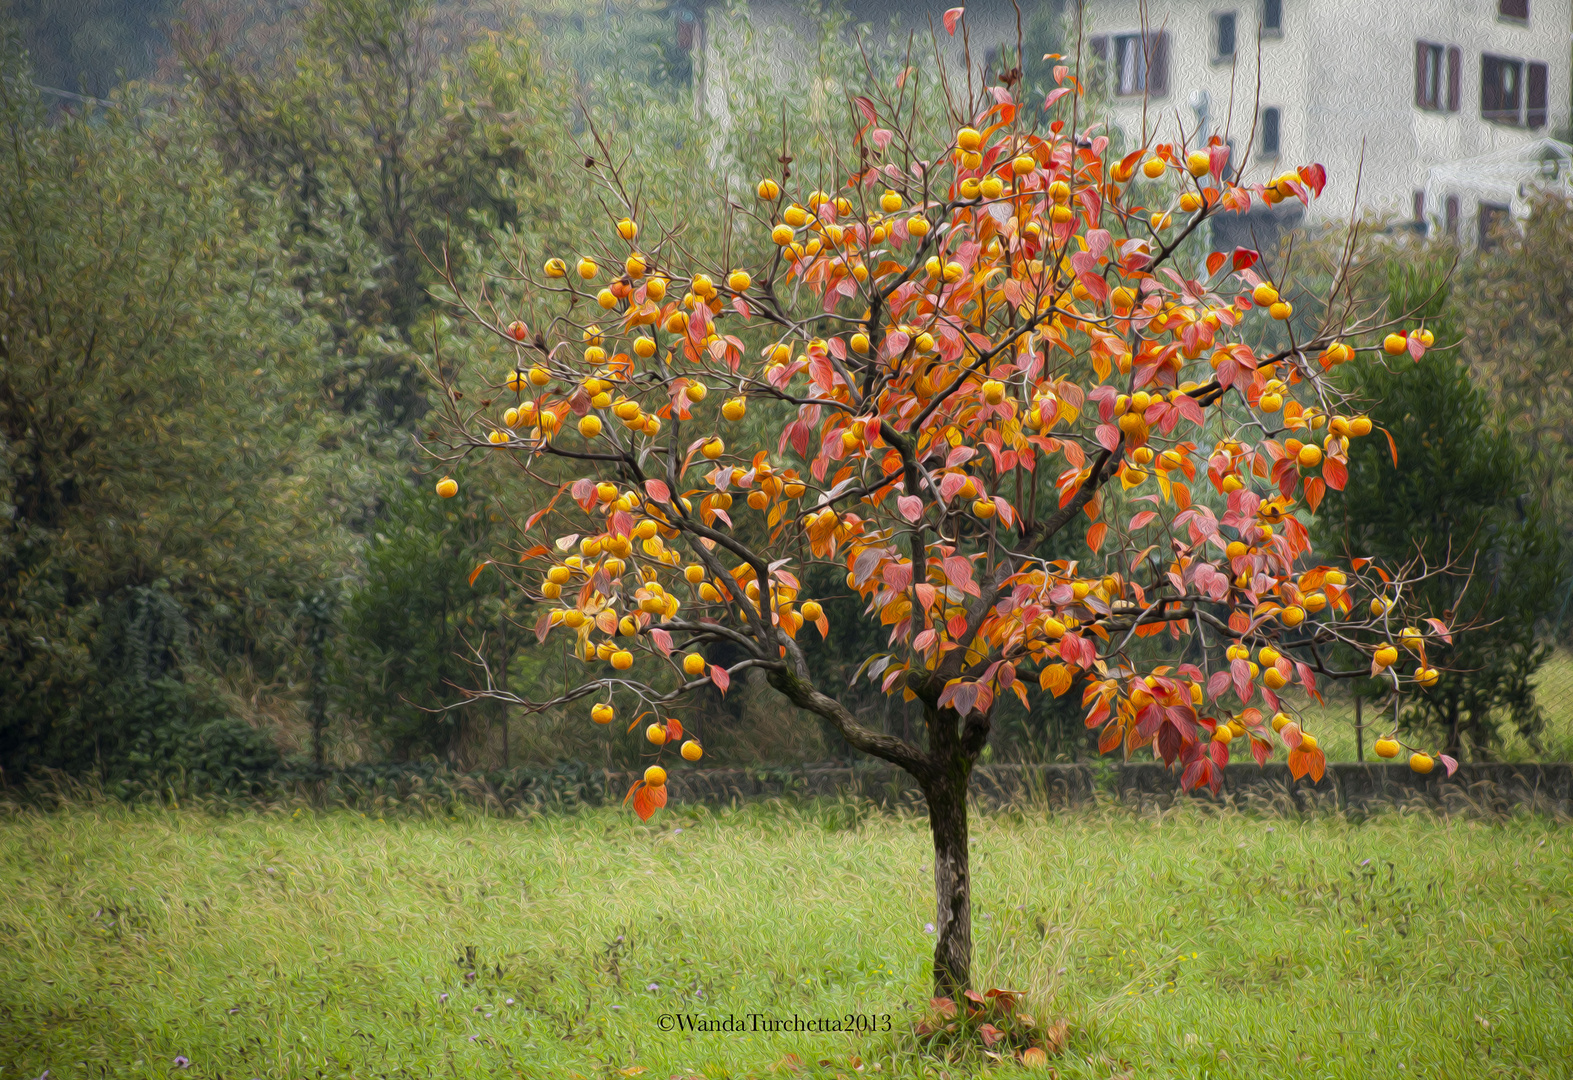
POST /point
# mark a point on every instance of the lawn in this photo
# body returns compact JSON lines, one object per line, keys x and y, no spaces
{"x":292,"y":945}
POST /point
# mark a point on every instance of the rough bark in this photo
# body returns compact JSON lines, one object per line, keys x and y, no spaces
{"x":947,"y":805}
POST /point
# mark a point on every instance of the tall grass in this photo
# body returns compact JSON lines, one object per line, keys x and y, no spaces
{"x":1191,"y":943}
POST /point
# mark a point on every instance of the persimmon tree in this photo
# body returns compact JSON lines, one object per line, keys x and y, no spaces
{"x":959,"y":343}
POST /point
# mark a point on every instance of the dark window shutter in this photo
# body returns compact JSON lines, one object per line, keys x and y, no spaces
{"x":1158,"y":65}
{"x":1513,"y":9}
{"x":1490,"y":88}
{"x":1270,"y":132}
{"x":1420,"y":206}
{"x":1421,"y":54}
{"x":1455,"y":77}
{"x":1452,"y":215}
{"x":1535,"y":96}
{"x":1098,"y":57}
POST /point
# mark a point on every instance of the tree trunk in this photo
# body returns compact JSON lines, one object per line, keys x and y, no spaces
{"x":947,"y":803}
{"x":1453,"y":749}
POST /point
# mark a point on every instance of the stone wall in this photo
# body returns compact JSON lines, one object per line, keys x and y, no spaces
{"x":1491,"y":788}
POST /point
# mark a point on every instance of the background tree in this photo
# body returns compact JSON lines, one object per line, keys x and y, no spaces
{"x":1455,"y":486}
{"x":161,"y":458}
{"x":964,"y":342}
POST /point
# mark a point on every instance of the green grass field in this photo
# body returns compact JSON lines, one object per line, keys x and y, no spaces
{"x":1194,"y":944}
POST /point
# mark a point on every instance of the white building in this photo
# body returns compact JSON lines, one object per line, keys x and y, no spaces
{"x":1383,"y":94}
{"x":1380,"y":94}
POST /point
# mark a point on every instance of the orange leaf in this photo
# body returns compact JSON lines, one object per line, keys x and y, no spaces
{"x":477,"y":571}
{"x":1096,"y":535}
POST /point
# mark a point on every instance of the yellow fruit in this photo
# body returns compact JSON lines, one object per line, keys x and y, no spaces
{"x":984,"y":508}
{"x":918,"y":227}
{"x":1427,"y":676}
{"x":587,"y":268}
{"x":627,"y":229}
{"x":1386,"y":656}
{"x":1153,"y":168}
{"x":1198,"y":162}
{"x":1023,"y":164}
{"x":1293,"y":615}
{"x":1264,"y":295}
{"x":992,"y":187}
{"x":1410,"y":638}
{"x":1279,"y":720}
{"x":590,"y":426}
{"x":555,"y":268}
{"x":859,"y":342}
{"x":713,"y":449}
{"x":693,"y":664}
{"x":1315,"y":601}
{"x":655,"y":776}
{"x":1281,"y":310}
{"x":644,"y":347}
{"x":1360,"y":425}
{"x":573,"y":618}
{"x":1268,"y":656}
{"x":811,"y":611}
{"x":606,"y":298}
{"x":692,"y":751}
{"x":768,"y":190}
{"x":890,"y":202}
{"x":1310,"y":456}
{"x":1386,"y":748}
{"x":734,"y":408}
{"x":1190,"y":201}
{"x":969,"y":139}
{"x":656,"y":733}
{"x":635,"y":265}
{"x":1421,"y":763}
{"x":1271,"y":402}
{"x":539,"y":376}
{"x":447,"y":487}
{"x":694,"y":573}
{"x":622,"y":659}
{"x":602,"y":713}
{"x":993,"y":392}
{"x":1223,"y":734}
{"x":1427,"y":338}
{"x":1393,"y":344}
{"x":1160,"y":221}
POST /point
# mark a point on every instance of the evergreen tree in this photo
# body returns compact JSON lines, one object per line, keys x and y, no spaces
{"x":1460,"y":496}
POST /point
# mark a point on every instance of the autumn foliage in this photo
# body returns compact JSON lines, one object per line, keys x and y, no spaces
{"x":959,"y":350}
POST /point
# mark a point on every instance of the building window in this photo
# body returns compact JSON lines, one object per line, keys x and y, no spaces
{"x":1419,"y":216}
{"x":1450,"y":219}
{"x":1493,"y":219}
{"x":1501,"y":89}
{"x":1430,"y":74}
{"x":1535,"y":96}
{"x":1224,"y":26}
{"x":1455,"y":78}
{"x":1272,"y":120}
{"x":1517,"y":10}
{"x":1140,"y":65}
{"x":1272,"y":17}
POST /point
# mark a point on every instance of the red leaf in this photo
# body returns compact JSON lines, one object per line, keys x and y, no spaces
{"x":658,"y":491}
{"x":867,"y":108}
{"x":1214,"y":261}
{"x":911,"y":506}
{"x":674,"y":729}
{"x":1108,"y":436}
{"x":958,"y":571}
{"x":1316,"y":764}
{"x":952,"y":17}
{"x":1143,"y":518}
{"x":663,"y":641}
{"x":742,"y":307}
{"x":1449,"y":764}
{"x":1245,"y":258}
{"x":644,"y":801}
{"x":719,"y":676}
{"x":1096,"y":534}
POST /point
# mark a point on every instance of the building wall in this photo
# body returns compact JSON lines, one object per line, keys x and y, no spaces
{"x":1342,"y":72}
